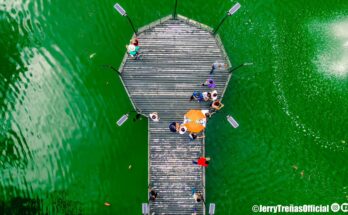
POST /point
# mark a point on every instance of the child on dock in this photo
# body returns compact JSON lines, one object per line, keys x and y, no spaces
{"x":133,"y":49}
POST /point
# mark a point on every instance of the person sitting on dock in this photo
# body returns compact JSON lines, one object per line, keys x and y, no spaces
{"x":215,"y":106}
{"x":217,"y":65}
{"x":206,"y":113}
{"x":182,"y":129}
{"x":152,"y":195}
{"x":174,"y":127}
{"x":214,"y":95}
{"x":197,"y":196}
{"x":154,"y":116}
{"x":133,"y":49}
{"x":202,"y":161}
{"x":194,"y":136}
{"x":134,"y":41}
{"x":210,"y":83}
{"x":206,"y":96}
{"x":198,"y":96}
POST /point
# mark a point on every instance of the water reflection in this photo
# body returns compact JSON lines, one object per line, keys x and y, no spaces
{"x":332,"y":55}
{"x":32,"y":94}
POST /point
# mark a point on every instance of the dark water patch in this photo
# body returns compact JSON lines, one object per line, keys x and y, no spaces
{"x":18,"y":205}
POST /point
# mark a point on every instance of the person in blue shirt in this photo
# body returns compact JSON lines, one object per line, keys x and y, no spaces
{"x":198,"y":96}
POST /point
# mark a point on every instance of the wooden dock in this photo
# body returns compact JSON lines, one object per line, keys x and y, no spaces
{"x":177,"y":58}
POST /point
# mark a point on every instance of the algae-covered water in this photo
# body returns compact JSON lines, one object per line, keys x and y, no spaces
{"x":62,"y":153}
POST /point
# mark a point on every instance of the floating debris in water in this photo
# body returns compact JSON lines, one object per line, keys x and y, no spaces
{"x":343,"y":141}
{"x":92,"y":55}
{"x":130,"y":167}
{"x":107,"y":204}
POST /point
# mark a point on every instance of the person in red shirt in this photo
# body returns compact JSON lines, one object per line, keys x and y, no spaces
{"x":202,"y":161}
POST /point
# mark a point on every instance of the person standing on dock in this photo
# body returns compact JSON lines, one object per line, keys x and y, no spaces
{"x":202,"y":161}
{"x":152,"y":194}
{"x":198,"y":96}
{"x":197,"y":196}
{"x":174,"y":127}
{"x":217,"y":65}
{"x":210,"y":83}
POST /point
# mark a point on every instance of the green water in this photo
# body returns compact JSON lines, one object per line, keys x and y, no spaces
{"x":62,"y":153}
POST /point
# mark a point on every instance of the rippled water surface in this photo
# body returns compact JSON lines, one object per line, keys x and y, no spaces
{"x":62,"y":153}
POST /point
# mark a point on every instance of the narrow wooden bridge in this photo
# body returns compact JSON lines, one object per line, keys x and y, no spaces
{"x":177,"y":58}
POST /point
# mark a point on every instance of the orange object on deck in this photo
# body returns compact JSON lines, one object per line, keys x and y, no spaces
{"x":195,"y":121}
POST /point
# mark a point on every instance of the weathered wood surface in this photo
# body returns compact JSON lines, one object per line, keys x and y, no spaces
{"x":177,"y":58}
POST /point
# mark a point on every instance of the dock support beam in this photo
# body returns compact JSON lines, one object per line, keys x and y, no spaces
{"x":233,"y":9}
{"x":175,"y":6}
{"x":131,"y":23}
{"x":243,"y":64}
{"x":222,"y":21}
{"x":123,"y":12}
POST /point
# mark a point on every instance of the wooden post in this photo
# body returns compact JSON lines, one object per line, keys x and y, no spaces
{"x":175,"y":6}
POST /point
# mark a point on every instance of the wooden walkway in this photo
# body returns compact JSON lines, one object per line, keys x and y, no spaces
{"x":177,"y":58}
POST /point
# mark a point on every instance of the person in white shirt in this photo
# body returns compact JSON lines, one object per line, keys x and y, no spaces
{"x":154,"y":116}
{"x":214,"y":95}
{"x":206,"y":96}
